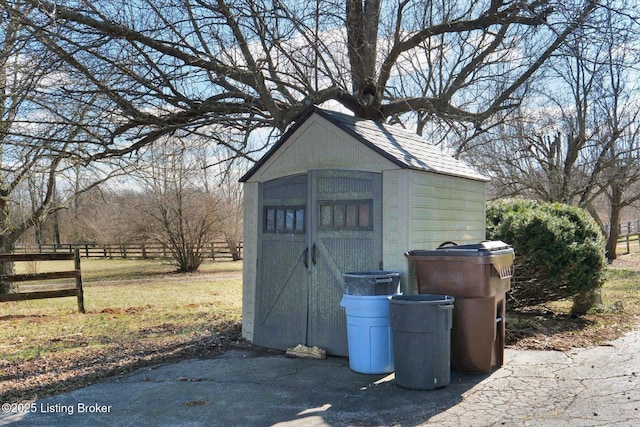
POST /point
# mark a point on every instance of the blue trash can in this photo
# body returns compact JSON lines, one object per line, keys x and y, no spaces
{"x":368,"y":333}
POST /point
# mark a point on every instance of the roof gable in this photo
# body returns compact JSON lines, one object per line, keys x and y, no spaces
{"x":402,"y":147}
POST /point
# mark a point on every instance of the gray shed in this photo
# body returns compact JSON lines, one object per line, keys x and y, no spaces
{"x":338,"y":194}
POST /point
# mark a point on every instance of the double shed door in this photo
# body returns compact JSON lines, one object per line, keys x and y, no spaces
{"x":313,"y":229}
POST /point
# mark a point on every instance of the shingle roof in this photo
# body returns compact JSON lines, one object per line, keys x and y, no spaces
{"x":402,"y":147}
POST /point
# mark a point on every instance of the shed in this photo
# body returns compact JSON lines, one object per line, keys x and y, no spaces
{"x":339,"y":194}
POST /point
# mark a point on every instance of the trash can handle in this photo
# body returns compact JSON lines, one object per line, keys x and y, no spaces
{"x":446,"y":307}
{"x":449,"y":242}
{"x":384,"y":280}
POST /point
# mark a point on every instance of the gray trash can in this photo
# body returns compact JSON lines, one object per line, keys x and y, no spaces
{"x":375,"y":282}
{"x":421,"y":333}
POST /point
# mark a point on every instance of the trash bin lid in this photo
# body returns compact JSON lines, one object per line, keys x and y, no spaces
{"x":372,"y":274}
{"x":496,"y":253}
{"x":485,"y":246}
{"x":481,"y":249}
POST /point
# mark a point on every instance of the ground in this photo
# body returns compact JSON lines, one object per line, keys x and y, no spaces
{"x":554,"y":328}
{"x":539,"y":329}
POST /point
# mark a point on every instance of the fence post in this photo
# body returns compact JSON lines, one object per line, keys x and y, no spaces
{"x":628,"y":248}
{"x":80,"y":292}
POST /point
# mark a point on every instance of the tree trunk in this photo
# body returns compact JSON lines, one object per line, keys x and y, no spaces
{"x":362,"y":34}
{"x":584,"y":301}
{"x":233,"y":246}
{"x":614,"y":223}
{"x":7,"y":245}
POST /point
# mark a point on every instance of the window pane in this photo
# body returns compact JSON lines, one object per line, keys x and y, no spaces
{"x":289,"y":217}
{"x":279,"y":219}
{"x":364,"y":215}
{"x":352,"y":215}
{"x":299,"y":219}
{"x":326,"y":216}
{"x":338,"y":215}
{"x":271,"y":219}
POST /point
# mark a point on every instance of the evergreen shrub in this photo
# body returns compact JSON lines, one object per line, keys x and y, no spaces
{"x":559,"y":250}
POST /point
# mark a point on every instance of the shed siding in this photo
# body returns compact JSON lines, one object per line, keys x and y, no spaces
{"x":422,"y":210}
{"x":395,"y":211}
{"x":249,"y":273}
{"x":445,"y":208}
{"x":318,"y":144}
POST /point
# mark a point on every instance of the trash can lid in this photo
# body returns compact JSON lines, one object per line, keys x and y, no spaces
{"x":485,"y":248}
{"x":372,"y":273}
{"x":487,"y":245}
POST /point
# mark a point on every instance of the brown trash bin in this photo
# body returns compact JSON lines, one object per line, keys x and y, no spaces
{"x":478,"y":276}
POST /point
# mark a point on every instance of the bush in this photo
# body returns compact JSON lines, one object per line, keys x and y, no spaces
{"x":559,"y":250}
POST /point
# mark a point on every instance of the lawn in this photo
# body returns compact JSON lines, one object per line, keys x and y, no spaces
{"x":552,"y":327}
{"x":137,"y":313}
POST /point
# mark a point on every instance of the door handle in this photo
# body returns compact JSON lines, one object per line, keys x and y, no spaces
{"x":305,"y":257}
{"x":313,"y":254}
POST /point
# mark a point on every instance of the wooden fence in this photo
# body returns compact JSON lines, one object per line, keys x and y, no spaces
{"x":216,"y":250}
{"x":628,"y":232}
{"x":46,"y":290}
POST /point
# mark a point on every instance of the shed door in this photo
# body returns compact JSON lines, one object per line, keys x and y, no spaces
{"x":346,"y":236}
{"x":282,"y":290}
{"x":313,"y":230}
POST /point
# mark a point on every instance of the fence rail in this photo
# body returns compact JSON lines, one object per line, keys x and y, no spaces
{"x":629,"y":227}
{"x":216,"y":250}
{"x":50,"y":290}
{"x":627,"y":233}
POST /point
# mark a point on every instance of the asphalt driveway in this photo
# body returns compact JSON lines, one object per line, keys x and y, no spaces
{"x":583,"y":387}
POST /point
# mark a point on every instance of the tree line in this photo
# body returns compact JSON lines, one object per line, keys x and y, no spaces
{"x":171,"y":201}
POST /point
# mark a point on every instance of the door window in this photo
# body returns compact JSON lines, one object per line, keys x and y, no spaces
{"x":346,"y":215}
{"x":284,"y":219}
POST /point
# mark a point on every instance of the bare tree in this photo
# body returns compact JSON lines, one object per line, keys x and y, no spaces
{"x":230,"y":196}
{"x":620,"y":129}
{"x":42,"y":137}
{"x":178,"y":211}
{"x":578,"y":139}
{"x":212,"y":67}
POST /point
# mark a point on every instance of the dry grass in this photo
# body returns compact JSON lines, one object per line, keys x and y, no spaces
{"x":138,"y":313}
{"x":552,"y":327}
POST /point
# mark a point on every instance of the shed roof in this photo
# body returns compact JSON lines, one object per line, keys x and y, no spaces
{"x":402,"y":147}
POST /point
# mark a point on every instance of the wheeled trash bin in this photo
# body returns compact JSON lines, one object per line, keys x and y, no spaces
{"x":478,"y":277}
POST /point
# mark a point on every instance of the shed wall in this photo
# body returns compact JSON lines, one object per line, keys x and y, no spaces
{"x":318,"y":144}
{"x":422,"y":210}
